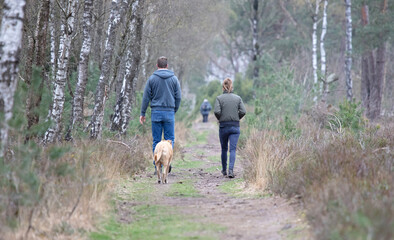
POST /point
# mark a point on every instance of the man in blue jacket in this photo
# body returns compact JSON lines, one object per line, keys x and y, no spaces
{"x":163,"y":91}
{"x":205,"y":108}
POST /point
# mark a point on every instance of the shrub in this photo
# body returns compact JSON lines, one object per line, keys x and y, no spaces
{"x":345,"y":179}
{"x":348,"y":116}
{"x":243,"y":87}
{"x":63,"y":184}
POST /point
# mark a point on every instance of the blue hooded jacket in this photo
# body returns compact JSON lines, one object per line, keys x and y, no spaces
{"x":163,"y":91}
{"x":205,"y":108}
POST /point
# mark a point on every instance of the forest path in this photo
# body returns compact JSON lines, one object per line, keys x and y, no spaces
{"x":198,"y":202}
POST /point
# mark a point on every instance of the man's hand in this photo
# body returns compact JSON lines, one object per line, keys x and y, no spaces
{"x":142,"y":119}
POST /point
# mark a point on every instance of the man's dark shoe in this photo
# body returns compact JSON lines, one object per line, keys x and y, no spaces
{"x":224,"y":172}
{"x":230,"y":174}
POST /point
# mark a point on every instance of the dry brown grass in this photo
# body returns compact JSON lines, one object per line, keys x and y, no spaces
{"x":345,"y":179}
{"x":182,"y":133}
{"x":70,"y":201}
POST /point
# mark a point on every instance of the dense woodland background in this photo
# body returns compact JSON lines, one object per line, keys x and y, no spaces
{"x":316,"y":75}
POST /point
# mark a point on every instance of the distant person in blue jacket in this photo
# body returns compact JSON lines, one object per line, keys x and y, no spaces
{"x":205,"y":109}
{"x":163,"y":91}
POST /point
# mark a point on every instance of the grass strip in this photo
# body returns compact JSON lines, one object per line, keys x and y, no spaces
{"x":183,"y":188}
{"x":157,"y":222}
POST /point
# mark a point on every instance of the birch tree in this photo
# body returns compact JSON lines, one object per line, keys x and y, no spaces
{"x":83,"y":66}
{"x":124,"y":102}
{"x":314,"y":47}
{"x":102,"y":86}
{"x":10,"y":45}
{"x":348,"y":56}
{"x":52,"y":34}
{"x":67,"y":31}
{"x":324,"y":85}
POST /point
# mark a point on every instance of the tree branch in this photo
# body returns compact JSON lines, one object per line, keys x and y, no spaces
{"x":288,"y":15}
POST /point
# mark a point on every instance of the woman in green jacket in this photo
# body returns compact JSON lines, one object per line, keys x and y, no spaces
{"x":229,"y":109}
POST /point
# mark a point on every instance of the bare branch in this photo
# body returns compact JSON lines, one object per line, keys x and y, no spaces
{"x":119,"y":142}
{"x":288,"y":15}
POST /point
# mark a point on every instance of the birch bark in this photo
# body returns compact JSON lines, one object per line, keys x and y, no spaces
{"x":10,"y":45}
{"x":102,"y":87}
{"x":67,"y":30}
{"x":348,"y":57}
{"x":314,"y":48}
{"x":323,"y":84}
{"x":136,"y":66}
{"x":52,"y":34}
{"x":83,"y":66}
{"x":118,"y":121}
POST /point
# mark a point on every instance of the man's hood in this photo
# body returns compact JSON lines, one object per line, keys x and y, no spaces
{"x":164,"y":73}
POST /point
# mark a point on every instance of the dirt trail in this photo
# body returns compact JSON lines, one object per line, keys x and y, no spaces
{"x":242,"y":217}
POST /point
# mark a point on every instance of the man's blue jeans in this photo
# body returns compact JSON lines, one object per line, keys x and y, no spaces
{"x":228,"y":134}
{"x":163,"y":121}
{"x":205,"y":118}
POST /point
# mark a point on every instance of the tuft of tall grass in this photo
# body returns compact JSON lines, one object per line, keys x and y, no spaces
{"x":71,"y":187}
{"x":345,"y":177}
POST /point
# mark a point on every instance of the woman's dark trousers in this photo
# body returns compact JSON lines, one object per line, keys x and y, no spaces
{"x":228,"y":134}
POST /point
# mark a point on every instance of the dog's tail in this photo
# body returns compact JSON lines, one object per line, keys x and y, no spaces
{"x":157,"y":156}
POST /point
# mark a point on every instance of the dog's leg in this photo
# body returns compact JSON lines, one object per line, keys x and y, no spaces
{"x":158,"y":171}
{"x":166,"y":168}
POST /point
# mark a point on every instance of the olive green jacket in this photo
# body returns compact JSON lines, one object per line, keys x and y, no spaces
{"x":229,"y":107}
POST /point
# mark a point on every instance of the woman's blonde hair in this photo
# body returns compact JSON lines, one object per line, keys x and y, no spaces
{"x":228,"y":85}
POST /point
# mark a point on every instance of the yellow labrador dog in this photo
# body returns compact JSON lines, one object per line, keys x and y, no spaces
{"x":163,"y":156}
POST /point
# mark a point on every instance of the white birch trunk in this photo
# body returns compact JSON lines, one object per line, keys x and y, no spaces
{"x":83,"y":66}
{"x":136,"y":67}
{"x":348,"y":57}
{"x":323,"y":84}
{"x":52,"y":33}
{"x":314,"y":49}
{"x":102,"y":87}
{"x":122,"y":98}
{"x":67,"y":29}
{"x":10,"y":46}
{"x":123,"y":106}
